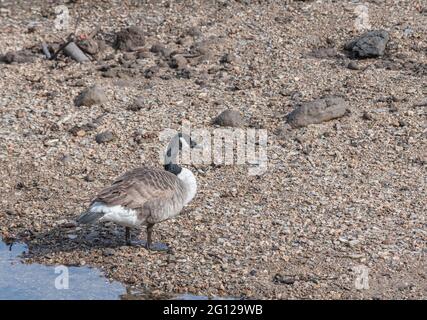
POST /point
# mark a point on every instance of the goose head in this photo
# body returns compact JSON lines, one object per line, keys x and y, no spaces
{"x":177,"y":143}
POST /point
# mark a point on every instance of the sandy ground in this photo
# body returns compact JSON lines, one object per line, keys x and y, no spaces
{"x":341,"y":203}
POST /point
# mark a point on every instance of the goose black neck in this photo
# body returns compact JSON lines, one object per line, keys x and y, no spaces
{"x":173,"y":168}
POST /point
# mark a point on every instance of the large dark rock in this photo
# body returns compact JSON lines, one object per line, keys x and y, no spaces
{"x":369,"y":45}
{"x":317,"y":111}
{"x":130,"y":39}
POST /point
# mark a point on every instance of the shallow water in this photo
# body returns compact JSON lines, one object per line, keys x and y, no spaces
{"x":19,"y":281}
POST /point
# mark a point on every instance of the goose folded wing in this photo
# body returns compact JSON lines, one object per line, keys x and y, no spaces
{"x":135,"y":188}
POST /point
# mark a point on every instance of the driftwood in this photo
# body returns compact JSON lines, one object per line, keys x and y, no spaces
{"x":74,"y":52}
{"x":69,"y":47}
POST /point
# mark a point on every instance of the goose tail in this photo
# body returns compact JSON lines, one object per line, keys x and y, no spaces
{"x":90,"y":217}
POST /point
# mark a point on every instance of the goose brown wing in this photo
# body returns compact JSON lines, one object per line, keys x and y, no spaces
{"x":136,"y":187}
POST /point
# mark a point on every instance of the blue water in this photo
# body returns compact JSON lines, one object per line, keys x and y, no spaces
{"x":19,"y":281}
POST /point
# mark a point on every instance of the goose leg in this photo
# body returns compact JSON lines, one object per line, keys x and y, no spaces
{"x":154,"y":246}
{"x":129,"y":242}
{"x":149,"y":233}
{"x":127,"y":236}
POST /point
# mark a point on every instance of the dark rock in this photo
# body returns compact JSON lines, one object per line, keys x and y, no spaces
{"x":324,"y":53}
{"x":280,"y":279}
{"x":367,"y":116}
{"x":142,"y":55}
{"x":16,"y":57}
{"x":229,"y":118}
{"x":137,"y":105}
{"x":352,"y":65}
{"x":200,"y":48}
{"x":110,"y":56}
{"x":184,"y":73}
{"x":178,"y":62}
{"x":104,"y":137}
{"x":369,"y":45}
{"x":159,"y":48}
{"x":317,"y":111}
{"x":89,"y":46}
{"x":194,"y":32}
{"x":89,"y":178}
{"x":90,"y":96}
{"x":108,"y":252}
{"x":127,"y":56}
{"x":130,"y":39}
{"x":111,"y":73}
{"x":101,"y":45}
{"x":151,"y":71}
{"x":226,"y":58}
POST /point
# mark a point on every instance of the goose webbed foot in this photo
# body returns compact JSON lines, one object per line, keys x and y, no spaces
{"x":156,"y":246}
{"x":136,"y":243}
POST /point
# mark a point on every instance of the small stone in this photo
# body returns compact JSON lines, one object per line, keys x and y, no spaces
{"x":91,"y":96}
{"x":142,"y":55}
{"x":323,"y":53}
{"x":279,"y":279}
{"x":178,"y":62}
{"x":137,"y":105}
{"x":367,"y":116}
{"x":194,"y":32}
{"x":104,"y":137}
{"x":226,"y":58}
{"x":89,"y":178}
{"x":151,"y":71}
{"x":229,"y":118}
{"x":16,"y":57}
{"x":89,"y":46}
{"x":130,"y":39}
{"x":157,"y":48}
{"x":108,"y":252}
{"x":317,"y":111}
{"x":352,"y":65}
{"x":128,"y":56}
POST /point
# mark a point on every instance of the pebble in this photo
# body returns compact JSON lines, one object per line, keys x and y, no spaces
{"x":352,"y":65}
{"x":91,"y":96}
{"x":130,"y":39}
{"x":229,"y":118}
{"x":104,"y":137}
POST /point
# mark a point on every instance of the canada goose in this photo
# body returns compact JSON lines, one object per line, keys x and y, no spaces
{"x":146,"y":196}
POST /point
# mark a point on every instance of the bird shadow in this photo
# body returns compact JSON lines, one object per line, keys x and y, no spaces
{"x":77,"y":238}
